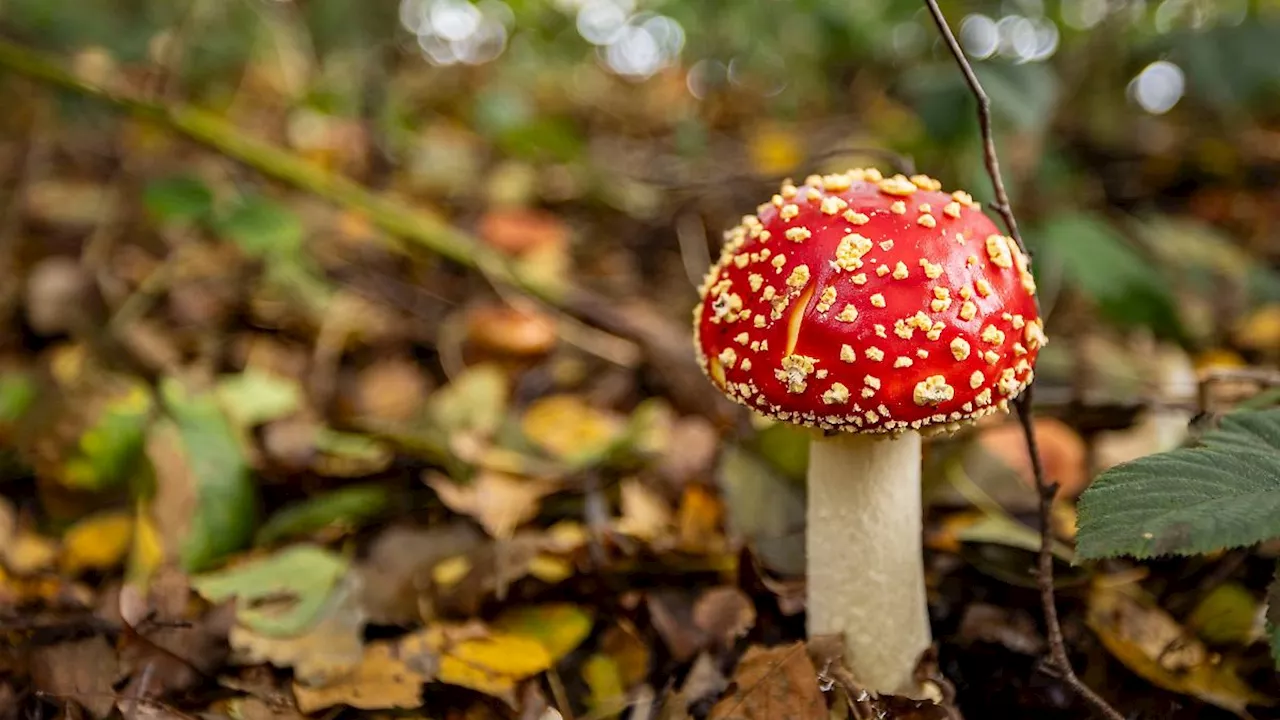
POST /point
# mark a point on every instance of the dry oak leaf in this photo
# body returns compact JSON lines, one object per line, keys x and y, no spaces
{"x":381,"y":681}
{"x":498,"y":501}
{"x":773,"y":684}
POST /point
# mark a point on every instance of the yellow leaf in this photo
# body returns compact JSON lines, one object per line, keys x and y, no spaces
{"x":493,"y":664}
{"x":559,"y":627}
{"x":147,"y":552}
{"x":450,"y":571}
{"x":471,"y":657}
{"x":569,"y":429}
{"x":550,"y":569}
{"x":607,"y":695}
{"x":381,"y":681}
{"x":1152,"y":644}
{"x":98,"y":542}
{"x":774,"y":149}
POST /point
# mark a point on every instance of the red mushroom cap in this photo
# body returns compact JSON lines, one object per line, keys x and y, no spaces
{"x":869,"y":304}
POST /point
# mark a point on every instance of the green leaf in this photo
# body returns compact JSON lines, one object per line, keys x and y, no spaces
{"x":475,"y":402}
{"x":1223,"y":493}
{"x":1095,"y":258}
{"x":1226,"y":614}
{"x":262,"y":227}
{"x":179,"y":199}
{"x":226,"y":504}
{"x":17,"y":393}
{"x":280,"y":595}
{"x":109,"y":452}
{"x":349,"y":506}
{"x":252,"y":397}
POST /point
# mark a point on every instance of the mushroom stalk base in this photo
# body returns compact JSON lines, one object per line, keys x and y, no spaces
{"x":866,"y":570}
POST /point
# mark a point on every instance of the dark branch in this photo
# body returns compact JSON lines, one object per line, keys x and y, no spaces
{"x":1058,"y":659}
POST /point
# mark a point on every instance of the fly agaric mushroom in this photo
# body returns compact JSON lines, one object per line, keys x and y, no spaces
{"x":871,"y":308}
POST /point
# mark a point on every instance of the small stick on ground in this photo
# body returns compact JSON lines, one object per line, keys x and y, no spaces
{"x":1058,"y":659}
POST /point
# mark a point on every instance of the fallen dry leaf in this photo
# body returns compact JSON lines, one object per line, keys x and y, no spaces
{"x":1152,"y":644}
{"x":84,"y":671}
{"x":772,"y":683}
{"x":328,"y":650}
{"x":170,"y":645}
{"x":724,"y":614}
{"x":380,"y":681}
{"x":498,"y":501}
{"x":399,"y":564}
{"x":645,"y":514}
{"x":570,"y":429}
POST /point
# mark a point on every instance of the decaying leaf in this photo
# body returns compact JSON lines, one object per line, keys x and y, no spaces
{"x":330,"y":648}
{"x":84,"y":671}
{"x":645,"y":514}
{"x":772,"y":683}
{"x":724,"y":614}
{"x":498,"y":501}
{"x":279,"y":595}
{"x":380,"y":681}
{"x":1152,"y":644}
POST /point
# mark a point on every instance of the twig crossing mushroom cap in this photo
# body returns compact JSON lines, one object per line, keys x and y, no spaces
{"x":867,"y":303}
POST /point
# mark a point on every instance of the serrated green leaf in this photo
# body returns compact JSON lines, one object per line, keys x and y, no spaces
{"x":349,"y":506}
{"x":1223,"y":493}
{"x":280,"y":595}
{"x":226,"y":509}
{"x":262,"y":227}
{"x":177,"y":199}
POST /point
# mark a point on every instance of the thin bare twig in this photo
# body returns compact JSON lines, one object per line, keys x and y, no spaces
{"x":1058,"y":659}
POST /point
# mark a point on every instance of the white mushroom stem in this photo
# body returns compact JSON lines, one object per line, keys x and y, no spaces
{"x":866,"y":570}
